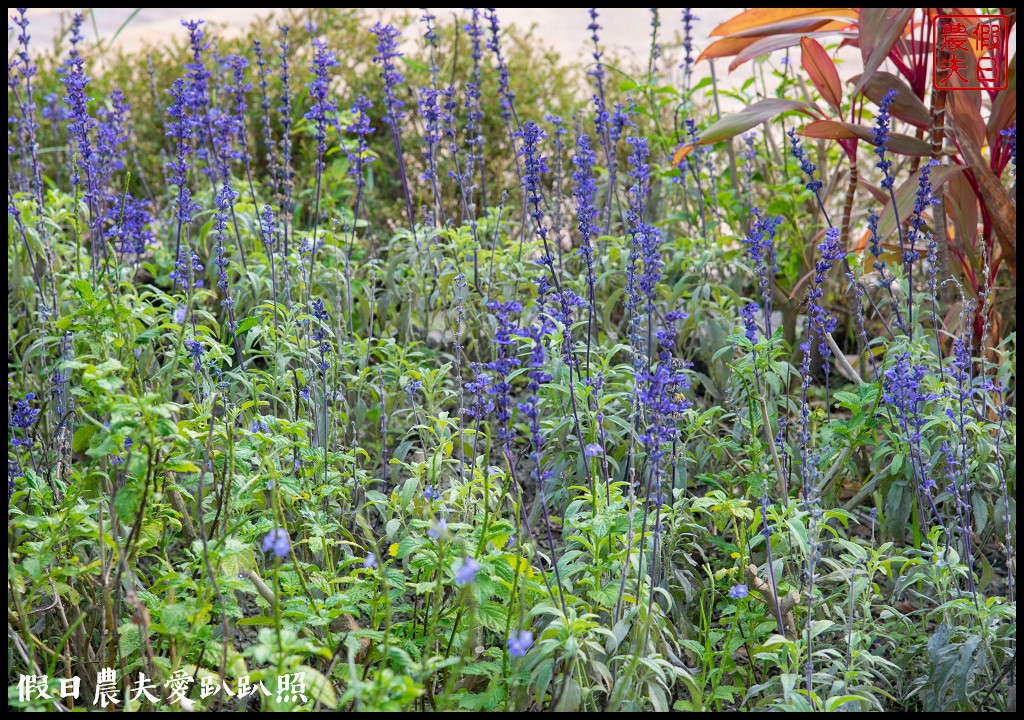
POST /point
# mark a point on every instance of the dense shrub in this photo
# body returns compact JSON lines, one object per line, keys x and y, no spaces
{"x":452,"y":376}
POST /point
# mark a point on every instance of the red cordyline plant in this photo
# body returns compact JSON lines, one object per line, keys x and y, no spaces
{"x":961,"y":129}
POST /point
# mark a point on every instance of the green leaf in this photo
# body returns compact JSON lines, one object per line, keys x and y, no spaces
{"x":732,"y":125}
{"x":126,"y":503}
{"x":318,"y":687}
{"x":570,"y":698}
{"x":80,"y":441}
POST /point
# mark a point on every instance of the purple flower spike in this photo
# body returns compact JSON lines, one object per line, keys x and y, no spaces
{"x":277,"y":540}
{"x":519,"y":642}
{"x":440,"y":529}
{"x":467,"y":571}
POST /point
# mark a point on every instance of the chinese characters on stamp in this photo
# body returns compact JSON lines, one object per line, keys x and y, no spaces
{"x":970,"y":52}
{"x":290,"y":689}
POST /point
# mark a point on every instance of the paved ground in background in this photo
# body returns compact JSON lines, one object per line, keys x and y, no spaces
{"x":624,"y":30}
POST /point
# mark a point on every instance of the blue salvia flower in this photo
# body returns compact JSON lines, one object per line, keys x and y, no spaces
{"x":277,"y":540}
{"x":433,"y":113}
{"x":187,"y":267}
{"x":286,"y":173}
{"x":195,"y":351}
{"x":621,"y":118}
{"x":268,"y":134}
{"x":649,"y":239}
{"x":387,"y":51}
{"x":320,"y":334}
{"x":474,"y":111}
{"x":530,"y":407}
{"x":359,"y":156}
{"x":655,"y":47}
{"x":747,"y":312}
{"x":321,"y":110}
{"x":60,"y":393}
{"x":198,"y":77}
{"x":902,"y":391}
{"x":806,"y":166}
{"x":820,"y":320}
{"x":14,"y":472}
{"x":503,"y":365}
{"x":693,"y":163}
{"x":505,"y":95}
{"x":431,"y":38}
{"x":534,"y":167}
{"x":479,"y":387}
{"x":52,"y":109}
{"x":923,"y":199}
{"x":1010,"y":139}
{"x":225,"y":197}
{"x":875,"y":241}
{"x":760,"y":242}
{"x":687,"y":66}
{"x":601,"y":116}
{"x":467,"y":571}
{"x":22,"y":417}
{"x":412,"y":387}
{"x":881,"y":139}
{"x":234,"y":119}
{"x":268,"y":228}
{"x":558,"y":135}
{"x":586,"y":213}
{"x":322,"y":107}
{"x":111,"y":136}
{"x":640,"y":172}
{"x":180,"y":129}
{"x":518,"y":643}
{"x":80,"y":123}
{"x":131,"y":230}
{"x":24,"y":99}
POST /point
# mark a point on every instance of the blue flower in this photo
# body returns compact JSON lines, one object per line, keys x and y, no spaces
{"x":277,"y":540}
{"x":806,"y":165}
{"x":881,"y":140}
{"x":592,"y":450}
{"x":370,"y":561}
{"x":519,"y":642}
{"x":430,"y":493}
{"x":438,"y":530}
{"x":467,"y":571}
{"x":24,"y":415}
{"x":747,"y":312}
{"x":737,"y":592}
{"x":319,"y":88}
